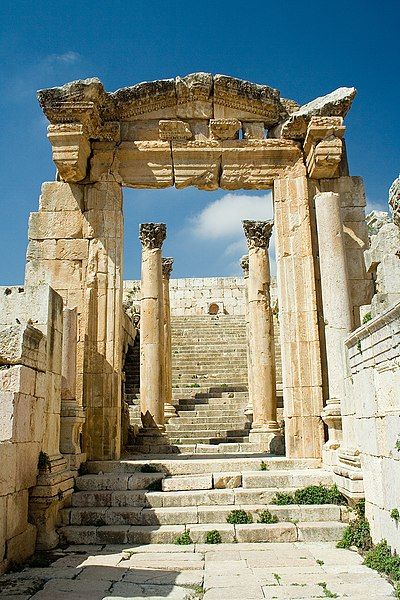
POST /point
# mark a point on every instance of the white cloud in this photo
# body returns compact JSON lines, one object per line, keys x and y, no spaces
{"x":223,"y":218}
{"x":67,"y":58}
{"x":220,"y":223}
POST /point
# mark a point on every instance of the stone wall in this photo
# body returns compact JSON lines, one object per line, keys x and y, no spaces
{"x":35,"y":480}
{"x":374,"y":360}
{"x":193,"y":296}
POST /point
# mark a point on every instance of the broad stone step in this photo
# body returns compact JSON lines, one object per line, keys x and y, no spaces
{"x":202,"y":431}
{"x":277,"y":479}
{"x":203,"y":465}
{"x":167,"y":534}
{"x":117,"y":481}
{"x":208,"y":440}
{"x":195,"y":419}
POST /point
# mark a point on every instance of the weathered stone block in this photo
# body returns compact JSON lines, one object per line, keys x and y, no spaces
{"x":49,"y":225}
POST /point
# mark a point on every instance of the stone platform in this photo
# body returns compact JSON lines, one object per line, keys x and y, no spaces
{"x":224,"y":572}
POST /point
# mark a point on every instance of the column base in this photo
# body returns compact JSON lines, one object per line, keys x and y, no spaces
{"x":348,"y":475}
{"x":269,"y":437}
{"x":169,"y":411}
{"x":248,"y":410}
{"x":332,"y":417}
{"x":53,"y":489}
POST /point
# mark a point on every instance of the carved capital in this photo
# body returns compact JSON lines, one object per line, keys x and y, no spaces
{"x":152,"y":235}
{"x":394,"y":200}
{"x":71,"y":150}
{"x":323,"y":146}
{"x":258,"y":233}
{"x":244,"y":263}
{"x":167,"y":265}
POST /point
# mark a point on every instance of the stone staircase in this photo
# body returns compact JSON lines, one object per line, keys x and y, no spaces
{"x":137,"y":501}
{"x":209,"y":378}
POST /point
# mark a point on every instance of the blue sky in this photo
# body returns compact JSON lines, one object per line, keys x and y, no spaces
{"x":305,"y":50}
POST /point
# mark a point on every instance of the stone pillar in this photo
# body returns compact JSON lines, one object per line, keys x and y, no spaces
{"x":244,"y":263}
{"x":169,"y":409}
{"x":76,"y":247}
{"x":337,"y":308}
{"x":72,"y":413}
{"x":152,"y":392}
{"x":265,"y":429}
{"x":298,"y":318}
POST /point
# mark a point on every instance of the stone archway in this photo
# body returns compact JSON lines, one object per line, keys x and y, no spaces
{"x":184,"y":132}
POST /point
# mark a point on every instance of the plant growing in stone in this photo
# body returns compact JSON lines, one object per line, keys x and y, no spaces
{"x":277,"y":577}
{"x":327,"y":592}
{"x":397,"y":446}
{"x":312,"y":494}
{"x":367,"y":317}
{"x":395,"y":515}
{"x":381,"y":559}
{"x":267,"y":517}
{"x":44,"y":463}
{"x":239,"y":517}
{"x":263,"y":466}
{"x":213,"y":537}
{"x":357,"y":533}
{"x":184,"y":539}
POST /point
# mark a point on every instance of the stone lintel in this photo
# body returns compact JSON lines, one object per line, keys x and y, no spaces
{"x":145,"y":164}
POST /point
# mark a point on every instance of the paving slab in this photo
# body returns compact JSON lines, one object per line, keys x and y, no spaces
{"x":231,"y":571}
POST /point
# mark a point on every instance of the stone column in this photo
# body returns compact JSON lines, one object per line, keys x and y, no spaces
{"x":337,"y":308}
{"x":152,"y":392}
{"x":265,"y":428}
{"x":72,"y":413}
{"x":244,"y":263}
{"x":298,"y":318}
{"x":169,"y":409}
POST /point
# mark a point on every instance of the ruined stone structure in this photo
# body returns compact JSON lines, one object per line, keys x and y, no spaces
{"x":69,"y":329}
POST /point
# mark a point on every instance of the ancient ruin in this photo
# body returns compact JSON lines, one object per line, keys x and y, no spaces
{"x":202,"y":379}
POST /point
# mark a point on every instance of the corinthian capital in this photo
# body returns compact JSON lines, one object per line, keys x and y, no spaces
{"x":244,"y":263}
{"x":152,"y":235}
{"x":258,"y":233}
{"x":167,"y":267}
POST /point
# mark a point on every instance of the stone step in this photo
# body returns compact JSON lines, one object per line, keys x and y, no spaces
{"x":188,"y":515}
{"x":177,"y":499}
{"x":206,"y":464}
{"x":167,"y":534}
{"x":117,"y":481}
{"x":198,"y":421}
{"x":205,"y":431}
{"x":212,"y":441}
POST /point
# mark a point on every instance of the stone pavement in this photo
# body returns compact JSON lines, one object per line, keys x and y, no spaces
{"x":279,"y":571}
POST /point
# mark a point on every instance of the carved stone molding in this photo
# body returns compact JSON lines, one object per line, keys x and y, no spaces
{"x":152,"y":235}
{"x":170,"y":130}
{"x":71,"y":150}
{"x":224,"y":129}
{"x":167,"y":266}
{"x":258,"y":233}
{"x":323,"y":146}
{"x":244,"y":263}
{"x":394,"y":200}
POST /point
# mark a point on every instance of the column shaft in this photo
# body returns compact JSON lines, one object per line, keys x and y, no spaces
{"x":262,"y":377}
{"x":337,"y":307}
{"x":169,"y":409}
{"x":152,"y":327}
